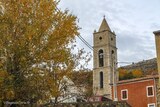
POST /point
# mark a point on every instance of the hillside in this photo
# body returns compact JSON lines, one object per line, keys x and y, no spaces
{"x":138,"y":70}
{"x":148,"y":67}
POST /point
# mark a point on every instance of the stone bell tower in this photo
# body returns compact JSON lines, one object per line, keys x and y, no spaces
{"x":105,"y":60}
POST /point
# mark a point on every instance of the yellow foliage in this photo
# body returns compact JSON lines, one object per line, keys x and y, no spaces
{"x":137,"y":73}
{"x":3,"y":74}
{"x":122,"y":73}
{"x":10,"y":95}
{"x":33,"y":32}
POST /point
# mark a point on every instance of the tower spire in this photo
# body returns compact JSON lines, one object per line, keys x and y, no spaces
{"x":104,"y":25}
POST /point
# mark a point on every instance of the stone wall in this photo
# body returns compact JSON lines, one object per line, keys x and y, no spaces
{"x":93,"y":104}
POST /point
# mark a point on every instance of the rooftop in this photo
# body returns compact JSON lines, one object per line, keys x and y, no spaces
{"x":138,"y":79}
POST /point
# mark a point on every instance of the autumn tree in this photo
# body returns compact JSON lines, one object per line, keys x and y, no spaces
{"x":35,"y":49}
{"x":84,"y":81}
{"x":137,"y":73}
{"x":122,"y":73}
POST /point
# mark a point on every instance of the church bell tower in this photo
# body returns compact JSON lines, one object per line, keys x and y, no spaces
{"x":104,"y":60}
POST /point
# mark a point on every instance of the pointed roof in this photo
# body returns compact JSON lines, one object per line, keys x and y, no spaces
{"x":104,"y":26}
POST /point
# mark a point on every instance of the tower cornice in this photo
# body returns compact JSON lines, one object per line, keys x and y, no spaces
{"x":105,"y":45}
{"x":104,"y":31}
{"x":157,"y":32}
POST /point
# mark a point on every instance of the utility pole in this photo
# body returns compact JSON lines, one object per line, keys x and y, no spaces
{"x":114,"y":65}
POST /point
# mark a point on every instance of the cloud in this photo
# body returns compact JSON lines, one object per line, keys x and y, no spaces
{"x":132,"y":20}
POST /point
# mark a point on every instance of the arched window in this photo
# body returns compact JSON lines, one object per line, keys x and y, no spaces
{"x":112,"y":52}
{"x":101,"y":79}
{"x":101,"y":57}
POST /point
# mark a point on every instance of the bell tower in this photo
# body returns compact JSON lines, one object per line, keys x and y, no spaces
{"x":104,"y":60}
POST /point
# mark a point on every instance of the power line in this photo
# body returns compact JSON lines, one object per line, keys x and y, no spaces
{"x":85,"y":42}
{"x":79,"y":36}
{"x":126,"y":62}
{"x":90,"y":47}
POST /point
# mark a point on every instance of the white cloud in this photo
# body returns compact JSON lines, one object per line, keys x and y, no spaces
{"x":132,"y":20}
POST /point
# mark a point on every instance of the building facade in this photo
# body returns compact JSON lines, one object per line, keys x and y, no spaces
{"x":157,"y":40}
{"x":140,"y":92}
{"x":105,"y":59}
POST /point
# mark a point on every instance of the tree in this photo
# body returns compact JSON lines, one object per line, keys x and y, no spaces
{"x":84,"y":80}
{"x":129,"y":75}
{"x":35,"y":49}
{"x":137,"y":73}
{"x":122,"y":73}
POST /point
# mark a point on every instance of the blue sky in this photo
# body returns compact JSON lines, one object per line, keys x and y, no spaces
{"x":132,"y":20}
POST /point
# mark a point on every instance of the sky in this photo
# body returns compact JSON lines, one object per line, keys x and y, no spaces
{"x":133,"y":21}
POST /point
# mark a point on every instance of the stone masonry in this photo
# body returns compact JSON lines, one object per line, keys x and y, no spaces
{"x":104,"y":40}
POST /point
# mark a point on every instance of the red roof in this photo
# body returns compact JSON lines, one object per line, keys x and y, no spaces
{"x":138,"y":79}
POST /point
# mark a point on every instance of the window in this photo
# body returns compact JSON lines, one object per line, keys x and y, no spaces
{"x":124,"y":94}
{"x":100,"y":38}
{"x":111,"y":39}
{"x":101,"y":79}
{"x":101,"y":63}
{"x":150,"y":91}
{"x":112,"y":52}
{"x":151,"y":105}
